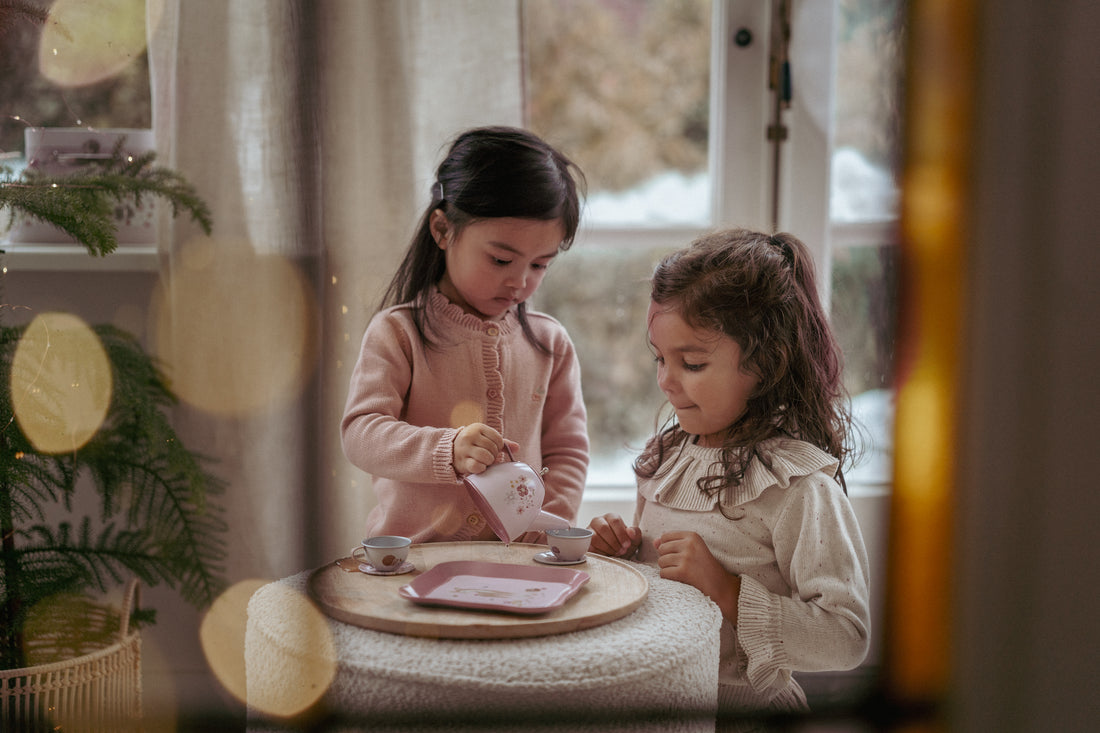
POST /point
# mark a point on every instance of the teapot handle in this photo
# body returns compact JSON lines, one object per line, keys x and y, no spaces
{"x":507,"y":449}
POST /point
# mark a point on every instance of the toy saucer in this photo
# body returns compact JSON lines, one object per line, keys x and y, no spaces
{"x":547,"y":558}
{"x":405,"y":567}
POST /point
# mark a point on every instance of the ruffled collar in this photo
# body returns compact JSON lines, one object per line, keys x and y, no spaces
{"x":678,"y":487}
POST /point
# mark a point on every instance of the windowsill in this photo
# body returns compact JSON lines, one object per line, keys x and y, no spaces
{"x":622,"y":492}
{"x":76,"y":258}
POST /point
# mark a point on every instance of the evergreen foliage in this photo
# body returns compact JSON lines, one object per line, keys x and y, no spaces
{"x":83,"y":203}
{"x":156,"y":518}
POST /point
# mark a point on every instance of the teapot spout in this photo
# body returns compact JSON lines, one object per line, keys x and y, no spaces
{"x":545,"y":520}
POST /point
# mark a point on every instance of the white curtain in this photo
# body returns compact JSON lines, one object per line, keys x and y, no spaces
{"x":312,"y":129}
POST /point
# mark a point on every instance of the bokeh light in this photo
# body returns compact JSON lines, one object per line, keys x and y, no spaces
{"x":292,"y":659}
{"x":466,"y":412}
{"x":87,"y":41}
{"x":221,"y":635}
{"x":60,"y":383}
{"x":236,"y":329}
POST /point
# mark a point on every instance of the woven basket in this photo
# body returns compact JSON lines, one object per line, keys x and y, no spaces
{"x":100,"y":691}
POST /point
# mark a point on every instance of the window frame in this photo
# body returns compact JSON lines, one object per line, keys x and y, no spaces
{"x":755,"y":181}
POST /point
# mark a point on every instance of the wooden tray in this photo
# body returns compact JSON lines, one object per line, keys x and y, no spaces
{"x":372,"y":601}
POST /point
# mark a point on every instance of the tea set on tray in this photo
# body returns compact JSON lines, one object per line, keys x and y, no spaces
{"x":510,"y":496}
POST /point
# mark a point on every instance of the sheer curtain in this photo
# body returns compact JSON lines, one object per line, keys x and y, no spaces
{"x":312,"y":129}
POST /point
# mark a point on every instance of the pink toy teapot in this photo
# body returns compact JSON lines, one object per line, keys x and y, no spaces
{"x":510,"y":496}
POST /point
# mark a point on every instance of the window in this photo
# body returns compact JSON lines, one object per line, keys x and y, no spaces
{"x":79,"y":68}
{"x":637,"y":126}
{"x":666,"y":105}
{"x":73,"y":64}
{"x":863,"y":211}
{"x":623,"y":87}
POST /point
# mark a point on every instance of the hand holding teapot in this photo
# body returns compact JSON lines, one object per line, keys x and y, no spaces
{"x":509,"y":494}
{"x":477,"y":446}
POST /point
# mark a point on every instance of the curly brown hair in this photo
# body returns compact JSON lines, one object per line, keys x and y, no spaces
{"x":761,"y":291}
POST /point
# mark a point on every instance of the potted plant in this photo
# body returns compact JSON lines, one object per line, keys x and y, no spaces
{"x":155,"y":513}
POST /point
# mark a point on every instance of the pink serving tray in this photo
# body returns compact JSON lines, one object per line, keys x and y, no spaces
{"x":494,"y":586}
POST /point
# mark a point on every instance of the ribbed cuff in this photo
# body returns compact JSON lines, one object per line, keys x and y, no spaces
{"x":758,"y":624}
{"x":443,"y":458}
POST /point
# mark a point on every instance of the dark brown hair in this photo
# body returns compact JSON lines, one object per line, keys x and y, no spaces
{"x":761,"y":291}
{"x":488,"y":172}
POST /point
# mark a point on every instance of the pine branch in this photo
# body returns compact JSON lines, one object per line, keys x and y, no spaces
{"x":56,"y":561}
{"x":158,"y":518}
{"x":169,"y":494}
{"x":84,"y":212}
{"x":31,"y":484}
{"x":83,"y":203}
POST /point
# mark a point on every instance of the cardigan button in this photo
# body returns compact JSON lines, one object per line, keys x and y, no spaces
{"x":473,"y":520}
{"x":492,"y":393}
{"x":493,"y":332}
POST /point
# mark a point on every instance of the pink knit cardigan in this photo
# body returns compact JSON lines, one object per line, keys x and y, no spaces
{"x":406,"y":402}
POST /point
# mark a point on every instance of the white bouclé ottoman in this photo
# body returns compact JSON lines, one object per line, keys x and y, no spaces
{"x":656,"y":668}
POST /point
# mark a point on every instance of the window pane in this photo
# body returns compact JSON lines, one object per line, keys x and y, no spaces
{"x":863,"y":203}
{"x":622,"y":86}
{"x":601,"y":297}
{"x":106,"y":85}
{"x":864,"y":301}
{"x":867,"y":118}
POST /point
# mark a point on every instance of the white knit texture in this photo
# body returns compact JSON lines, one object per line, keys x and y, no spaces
{"x":661,"y":661}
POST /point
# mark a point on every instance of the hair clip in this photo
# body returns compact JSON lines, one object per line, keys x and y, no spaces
{"x":440,"y":184}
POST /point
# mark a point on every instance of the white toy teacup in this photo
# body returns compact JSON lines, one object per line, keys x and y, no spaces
{"x":384,"y":553}
{"x":569,"y":544}
{"x":510,"y":496}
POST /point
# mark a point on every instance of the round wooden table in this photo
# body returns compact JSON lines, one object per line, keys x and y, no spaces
{"x":613,"y":589}
{"x":630,"y":651}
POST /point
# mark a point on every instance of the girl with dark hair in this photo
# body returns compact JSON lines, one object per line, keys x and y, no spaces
{"x":741,"y":493}
{"x":454,"y":361}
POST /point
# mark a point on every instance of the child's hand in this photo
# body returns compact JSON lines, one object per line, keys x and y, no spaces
{"x":613,"y":537}
{"x":477,"y":447}
{"x":685,"y":557}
